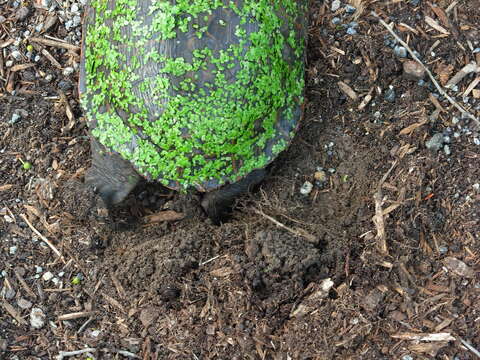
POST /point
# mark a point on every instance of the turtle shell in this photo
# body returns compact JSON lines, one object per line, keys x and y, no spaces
{"x":194,"y":93}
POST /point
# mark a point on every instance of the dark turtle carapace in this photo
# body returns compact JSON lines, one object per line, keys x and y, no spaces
{"x":193,"y":94}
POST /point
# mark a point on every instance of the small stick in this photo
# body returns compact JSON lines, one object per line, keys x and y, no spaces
{"x":51,"y":58}
{"x":63,"y":354}
{"x":84,"y":325}
{"x":209,"y":260}
{"x":76,"y":315}
{"x":127,"y":354}
{"x":414,"y":57}
{"x":54,"y":43}
{"x":297,"y":232}
{"x":469,"y":347}
{"x":45,"y":240}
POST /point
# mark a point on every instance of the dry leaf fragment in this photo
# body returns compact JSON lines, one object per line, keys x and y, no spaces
{"x":436,"y":25}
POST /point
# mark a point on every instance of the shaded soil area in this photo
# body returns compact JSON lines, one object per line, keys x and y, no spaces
{"x":362,"y":243}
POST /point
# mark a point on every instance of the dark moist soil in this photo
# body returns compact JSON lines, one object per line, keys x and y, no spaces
{"x":289,"y":276}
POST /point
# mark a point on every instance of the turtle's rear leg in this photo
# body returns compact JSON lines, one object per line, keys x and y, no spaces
{"x":112,"y":176}
{"x":217,"y":203}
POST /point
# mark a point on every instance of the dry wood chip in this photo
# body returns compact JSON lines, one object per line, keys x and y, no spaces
{"x":428,"y":348}
{"x":436,"y":25}
{"x":33,"y":210}
{"x":222,"y":272}
{"x":365,"y":101}
{"x":443,"y":324}
{"x":114,"y":302}
{"x":347,"y":90}
{"x":467,"y":69}
{"x":20,"y":67}
{"x":411,"y":128}
{"x":6,"y":43}
{"x":404,"y":27}
{"x":51,"y":58}
{"x":167,"y":215}
{"x":441,"y":14}
{"x":13,"y":313}
{"x":6,"y":187}
{"x":472,"y":86}
{"x":76,"y":315}
{"x":24,"y":285}
{"x":54,"y":43}
{"x":443,"y":71}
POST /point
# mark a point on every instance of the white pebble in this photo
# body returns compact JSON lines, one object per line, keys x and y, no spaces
{"x":335,"y":5}
{"x":68,"y":71}
{"x":9,"y":63}
{"x":13,"y":250}
{"x":47,"y":276}
{"x":74,"y":8}
{"x":37,"y":318}
{"x":76,"y":20}
{"x":306,"y":188}
{"x":16,"y":54}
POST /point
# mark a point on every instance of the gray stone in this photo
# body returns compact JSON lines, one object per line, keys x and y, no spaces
{"x":435,"y":142}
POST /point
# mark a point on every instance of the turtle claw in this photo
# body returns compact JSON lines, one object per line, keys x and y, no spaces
{"x":218,"y":203}
{"x":112,"y":177}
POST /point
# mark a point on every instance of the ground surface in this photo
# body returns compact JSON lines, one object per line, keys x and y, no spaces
{"x":379,"y":261}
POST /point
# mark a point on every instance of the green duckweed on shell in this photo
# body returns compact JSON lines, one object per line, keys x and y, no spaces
{"x":194,"y":93}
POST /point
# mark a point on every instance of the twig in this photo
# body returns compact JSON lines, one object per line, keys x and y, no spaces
{"x":469,"y":347}
{"x":414,"y":57}
{"x":63,"y":354}
{"x":378,"y":218}
{"x":297,"y":232}
{"x":128,"y":354}
{"x":84,"y":325}
{"x":54,"y":43}
{"x":45,"y":240}
{"x":380,"y":223}
{"x":209,"y":260}
{"x":76,"y":315}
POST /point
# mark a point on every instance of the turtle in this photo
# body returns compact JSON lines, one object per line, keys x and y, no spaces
{"x":198,"y":95}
